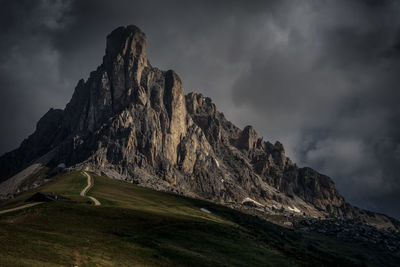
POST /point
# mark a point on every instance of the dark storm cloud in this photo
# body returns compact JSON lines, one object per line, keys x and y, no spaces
{"x":330,"y":88}
{"x":320,"y":76}
{"x":30,"y":80}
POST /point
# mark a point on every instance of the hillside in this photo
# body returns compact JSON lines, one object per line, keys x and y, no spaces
{"x":138,"y":226}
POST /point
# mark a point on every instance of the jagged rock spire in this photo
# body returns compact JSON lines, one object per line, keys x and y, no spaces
{"x":124,"y":62}
{"x":126,"y":41}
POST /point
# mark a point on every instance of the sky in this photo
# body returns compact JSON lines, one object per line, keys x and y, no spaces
{"x":322,"y":77}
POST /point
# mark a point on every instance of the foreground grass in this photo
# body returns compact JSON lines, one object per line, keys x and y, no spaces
{"x":137,"y":226}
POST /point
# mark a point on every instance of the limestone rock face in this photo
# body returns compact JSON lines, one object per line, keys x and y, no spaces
{"x":132,"y":121}
{"x":248,"y":139}
{"x":257,"y":165}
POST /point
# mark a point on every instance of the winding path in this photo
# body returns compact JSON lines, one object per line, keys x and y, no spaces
{"x":83,"y":193}
{"x":20,"y":207}
{"x":87,"y":188}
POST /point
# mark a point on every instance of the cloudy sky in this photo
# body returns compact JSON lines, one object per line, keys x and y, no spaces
{"x":320,"y":76}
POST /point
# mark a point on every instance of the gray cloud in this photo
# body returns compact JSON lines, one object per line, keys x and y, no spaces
{"x":330,"y":89}
{"x":30,"y":78}
{"x":320,"y":76}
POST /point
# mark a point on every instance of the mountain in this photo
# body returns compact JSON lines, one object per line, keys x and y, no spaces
{"x":132,"y":121}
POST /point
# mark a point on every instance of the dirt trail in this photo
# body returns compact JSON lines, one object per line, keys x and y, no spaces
{"x":20,"y":207}
{"x":87,"y":188}
{"x":83,"y":193}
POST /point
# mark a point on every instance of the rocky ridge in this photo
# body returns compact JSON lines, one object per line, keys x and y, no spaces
{"x":351,"y":231}
{"x":132,"y":121}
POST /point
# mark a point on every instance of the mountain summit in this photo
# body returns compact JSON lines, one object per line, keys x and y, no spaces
{"x":131,"y":121}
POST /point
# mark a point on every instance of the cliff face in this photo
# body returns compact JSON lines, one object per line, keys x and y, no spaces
{"x":132,"y":121}
{"x":258,"y":169}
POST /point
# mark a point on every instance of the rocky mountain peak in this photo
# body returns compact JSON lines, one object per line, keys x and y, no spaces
{"x":128,"y":43}
{"x":132,"y":121}
{"x":248,"y":138}
{"x":124,"y":63}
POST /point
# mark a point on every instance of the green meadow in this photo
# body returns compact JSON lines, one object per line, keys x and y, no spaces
{"x":135,"y":226}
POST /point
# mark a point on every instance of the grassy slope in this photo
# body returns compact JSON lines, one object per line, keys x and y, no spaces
{"x":137,"y":226}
